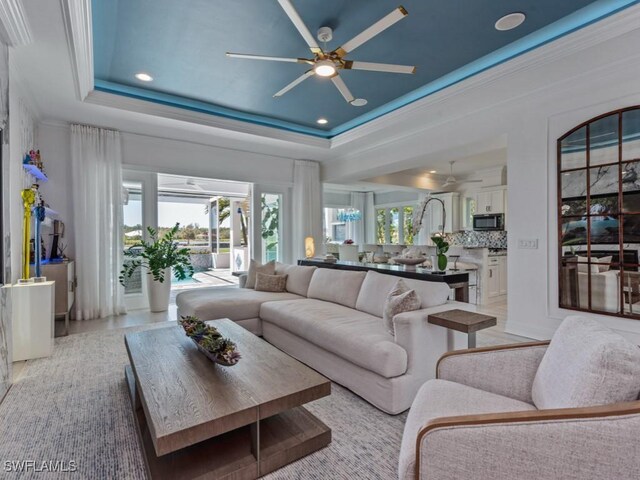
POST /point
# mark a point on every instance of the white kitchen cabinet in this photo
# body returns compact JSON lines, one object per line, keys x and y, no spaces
{"x":490,"y":201}
{"x":452,"y":208}
{"x":497,"y":276}
{"x":493,"y":289}
{"x":502,"y":275}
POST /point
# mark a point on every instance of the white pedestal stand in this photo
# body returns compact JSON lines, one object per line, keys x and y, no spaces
{"x":32,"y":309}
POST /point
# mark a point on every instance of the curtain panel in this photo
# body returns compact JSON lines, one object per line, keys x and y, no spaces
{"x":96,"y":159}
{"x":307,"y":207}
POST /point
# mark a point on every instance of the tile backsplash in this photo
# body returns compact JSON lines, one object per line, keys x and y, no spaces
{"x":470,"y":238}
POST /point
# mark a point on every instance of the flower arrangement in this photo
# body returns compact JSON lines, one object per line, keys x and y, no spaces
{"x":210,"y":342}
{"x":348,"y":241}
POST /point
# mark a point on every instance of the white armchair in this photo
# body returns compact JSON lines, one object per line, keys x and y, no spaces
{"x":565,"y":410}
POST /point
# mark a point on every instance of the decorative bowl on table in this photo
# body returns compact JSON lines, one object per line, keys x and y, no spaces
{"x":210,"y":342}
{"x":409,"y":261}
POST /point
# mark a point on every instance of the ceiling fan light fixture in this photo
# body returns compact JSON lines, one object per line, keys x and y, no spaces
{"x":324,"y":68}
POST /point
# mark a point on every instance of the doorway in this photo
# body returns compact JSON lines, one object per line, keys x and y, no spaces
{"x":213,"y":219}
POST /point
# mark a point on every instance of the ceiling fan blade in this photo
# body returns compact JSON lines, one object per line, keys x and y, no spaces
{"x":378,"y":67}
{"x":378,"y":27}
{"x":293,"y":15}
{"x":266,"y":57}
{"x":300,"y":79}
{"x":342,"y":87}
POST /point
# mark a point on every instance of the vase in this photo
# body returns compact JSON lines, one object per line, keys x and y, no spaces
{"x":159,"y":292}
{"x":434,"y":264}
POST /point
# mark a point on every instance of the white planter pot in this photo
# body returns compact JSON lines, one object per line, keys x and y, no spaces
{"x":434,"y":264}
{"x":221,"y":260}
{"x":159,"y":292}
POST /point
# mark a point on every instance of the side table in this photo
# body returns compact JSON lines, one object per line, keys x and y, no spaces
{"x":463,"y":321}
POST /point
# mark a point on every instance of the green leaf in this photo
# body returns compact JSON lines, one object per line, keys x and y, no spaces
{"x":442,"y":262}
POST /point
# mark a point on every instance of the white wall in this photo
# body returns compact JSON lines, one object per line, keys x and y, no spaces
{"x":22,"y":132}
{"x":532,"y":106}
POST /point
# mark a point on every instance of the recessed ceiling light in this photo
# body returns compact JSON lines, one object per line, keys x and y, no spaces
{"x":358,"y":102}
{"x":322,"y":121}
{"x":433,"y":171}
{"x":144,"y":77}
{"x":510,"y":21}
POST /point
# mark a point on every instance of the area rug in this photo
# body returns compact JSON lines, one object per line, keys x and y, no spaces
{"x":74,"y":406}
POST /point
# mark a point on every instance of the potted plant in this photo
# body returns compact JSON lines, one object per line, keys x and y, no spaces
{"x":158,"y":257}
{"x":439,"y":260}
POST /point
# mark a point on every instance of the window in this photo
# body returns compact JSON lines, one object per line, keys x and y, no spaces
{"x":132,"y":231}
{"x":408,"y":225}
{"x":381,"y":225}
{"x":599,"y":215}
{"x":271,"y":206}
{"x":395,"y":225}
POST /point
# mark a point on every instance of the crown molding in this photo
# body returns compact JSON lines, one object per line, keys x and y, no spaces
{"x":224,"y":124}
{"x":14,"y":21}
{"x":616,"y":25}
{"x":76,"y":15}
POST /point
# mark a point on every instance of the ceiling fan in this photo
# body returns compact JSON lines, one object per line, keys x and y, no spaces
{"x":451,"y":180}
{"x":327,"y":63}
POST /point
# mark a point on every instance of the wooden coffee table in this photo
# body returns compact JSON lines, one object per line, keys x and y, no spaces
{"x":200,"y":420}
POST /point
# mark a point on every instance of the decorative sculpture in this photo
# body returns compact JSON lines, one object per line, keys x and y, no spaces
{"x":309,"y":247}
{"x":28,"y":199}
{"x":39,"y":212}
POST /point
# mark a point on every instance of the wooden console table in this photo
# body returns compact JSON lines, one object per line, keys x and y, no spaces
{"x":457,"y":280}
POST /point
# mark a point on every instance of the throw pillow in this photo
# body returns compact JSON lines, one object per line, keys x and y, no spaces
{"x":271,"y":283}
{"x":586,"y":364}
{"x":257,"y":267}
{"x":400,"y":299}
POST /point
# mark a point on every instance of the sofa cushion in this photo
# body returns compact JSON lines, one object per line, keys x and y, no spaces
{"x":586,"y":364}
{"x":376,"y":287}
{"x":441,"y":398}
{"x":255,"y":267}
{"x":271,"y":283}
{"x":226,"y":302}
{"x":298,"y":277}
{"x":337,"y":286}
{"x":400,"y":299}
{"x":355,"y":336}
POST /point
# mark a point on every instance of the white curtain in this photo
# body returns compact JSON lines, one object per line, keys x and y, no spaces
{"x":307,"y":207}
{"x":96,"y":160}
{"x":369,"y":217}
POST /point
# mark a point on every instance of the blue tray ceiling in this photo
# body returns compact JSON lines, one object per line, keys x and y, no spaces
{"x":182,"y":44}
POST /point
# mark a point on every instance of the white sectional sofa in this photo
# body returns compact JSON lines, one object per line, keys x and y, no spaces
{"x":331,"y":320}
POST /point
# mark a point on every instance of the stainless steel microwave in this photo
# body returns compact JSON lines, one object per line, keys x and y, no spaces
{"x":490,"y":221}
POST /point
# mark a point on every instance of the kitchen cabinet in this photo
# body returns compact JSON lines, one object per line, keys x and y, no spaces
{"x":497,"y":276}
{"x":490,"y":201}
{"x":502,"y":275}
{"x":434,"y":213}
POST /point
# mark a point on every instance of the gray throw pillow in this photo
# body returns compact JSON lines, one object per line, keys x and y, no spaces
{"x":271,"y":283}
{"x":257,"y":267}
{"x":586,"y":364}
{"x":400,"y":299}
